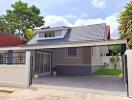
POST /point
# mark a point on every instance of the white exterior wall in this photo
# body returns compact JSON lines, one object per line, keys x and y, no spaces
{"x":129,"y":69}
{"x":106,"y":59}
{"x":95,"y":56}
{"x":97,"y":59}
{"x":15,"y":75}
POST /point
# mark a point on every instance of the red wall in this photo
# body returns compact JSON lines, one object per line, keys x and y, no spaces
{"x":10,"y":40}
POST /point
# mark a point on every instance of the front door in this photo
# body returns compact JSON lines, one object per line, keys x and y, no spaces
{"x":43,"y":63}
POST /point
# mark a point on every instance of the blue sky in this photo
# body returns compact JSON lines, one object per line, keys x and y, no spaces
{"x":76,"y":12}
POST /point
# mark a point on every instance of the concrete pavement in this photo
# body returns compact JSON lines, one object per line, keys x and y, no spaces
{"x":97,"y":88}
{"x":35,"y":93}
{"x":92,"y":84}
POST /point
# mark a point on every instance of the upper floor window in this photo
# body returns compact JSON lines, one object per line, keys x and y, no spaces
{"x":72,"y":52}
{"x":49,"y":34}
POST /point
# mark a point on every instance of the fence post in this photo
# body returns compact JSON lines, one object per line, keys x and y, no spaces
{"x":27,"y":62}
{"x":129,"y":71}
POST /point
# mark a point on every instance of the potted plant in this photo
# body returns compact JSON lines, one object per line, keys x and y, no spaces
{"x":35,"y":74}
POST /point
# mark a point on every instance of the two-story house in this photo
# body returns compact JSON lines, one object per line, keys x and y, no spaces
{"x":69,"y":60}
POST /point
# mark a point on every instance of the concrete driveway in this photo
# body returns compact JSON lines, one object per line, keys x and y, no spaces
{"x":109,"y":85}
{"x":39,"y":93}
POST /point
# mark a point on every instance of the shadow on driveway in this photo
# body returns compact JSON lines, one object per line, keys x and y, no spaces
{"x":93,"y":84}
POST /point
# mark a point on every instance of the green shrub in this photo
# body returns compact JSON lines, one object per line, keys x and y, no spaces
{"x":114,"y":60}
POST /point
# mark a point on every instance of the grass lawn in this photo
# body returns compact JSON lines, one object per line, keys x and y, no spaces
{"x":114,"y":72}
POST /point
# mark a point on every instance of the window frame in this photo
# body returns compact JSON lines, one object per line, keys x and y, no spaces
{"x":49,"y":34}
{"x":58,"y":34}
{"x":69,"y":53}
{"x":17,"y":58}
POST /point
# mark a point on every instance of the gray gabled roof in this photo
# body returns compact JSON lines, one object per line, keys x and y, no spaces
{"x":94,"y":32}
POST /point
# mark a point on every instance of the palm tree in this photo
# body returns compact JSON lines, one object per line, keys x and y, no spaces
{"x":129,"y":38}
{"x":125,"y":23}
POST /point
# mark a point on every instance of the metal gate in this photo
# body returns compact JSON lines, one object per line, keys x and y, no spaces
{"x":126,"y":72}
{"x":43,"y":63}
{"x":31,"y":71}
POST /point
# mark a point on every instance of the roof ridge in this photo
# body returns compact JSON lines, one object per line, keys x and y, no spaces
{"x":88,"y":25}
{"x":70,"y":27}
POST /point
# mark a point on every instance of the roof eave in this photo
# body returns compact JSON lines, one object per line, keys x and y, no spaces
{"x":66,"y":45}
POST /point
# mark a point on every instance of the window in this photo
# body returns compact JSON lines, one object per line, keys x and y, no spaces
{"x":12,"y":58}
{"x":72,"y":52}
{"x":58,"y":33}
{"x":49,"y":34}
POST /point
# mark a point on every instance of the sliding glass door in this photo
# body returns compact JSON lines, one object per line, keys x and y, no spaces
{"x":43,"y":62}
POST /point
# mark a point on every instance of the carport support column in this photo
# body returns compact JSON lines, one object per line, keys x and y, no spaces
{"x":27,"y":62}
{"x":129,"y":71}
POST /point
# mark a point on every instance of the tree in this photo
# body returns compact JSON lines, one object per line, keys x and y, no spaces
{"x":115,"y":60}
{"x":21,"y":18}
{"x":125,"y":23}
{"x":29,"y":34}
{"x":116,"y":48}
{"x":7,"y":22}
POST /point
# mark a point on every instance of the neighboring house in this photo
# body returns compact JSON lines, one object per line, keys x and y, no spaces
{"x":70,"y":61}
{"x":7,"y":39}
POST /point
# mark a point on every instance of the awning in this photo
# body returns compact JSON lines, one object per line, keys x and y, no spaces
{"x":65,"y":45}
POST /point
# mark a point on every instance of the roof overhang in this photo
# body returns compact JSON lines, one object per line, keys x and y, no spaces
{"x":79,"y":44}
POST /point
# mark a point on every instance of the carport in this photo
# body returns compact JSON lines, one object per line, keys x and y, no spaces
{"x":28,"y":69}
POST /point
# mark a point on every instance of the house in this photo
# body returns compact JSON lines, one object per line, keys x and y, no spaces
{"x":71,"y":60}
{"x":80,"y":60}
{"x":66,"y":51}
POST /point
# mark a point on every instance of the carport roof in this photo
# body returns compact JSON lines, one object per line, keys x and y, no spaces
{"x":64,"y":45}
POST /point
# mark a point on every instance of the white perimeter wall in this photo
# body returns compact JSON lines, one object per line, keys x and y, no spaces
{"x":15,"y":75}
{"x":129,"y":69}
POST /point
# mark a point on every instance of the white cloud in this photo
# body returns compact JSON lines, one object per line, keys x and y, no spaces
{"x":99,"y":3}
{"x":55,"y":21}
{"x":110,"y":20}
{"x":81,"y":22}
